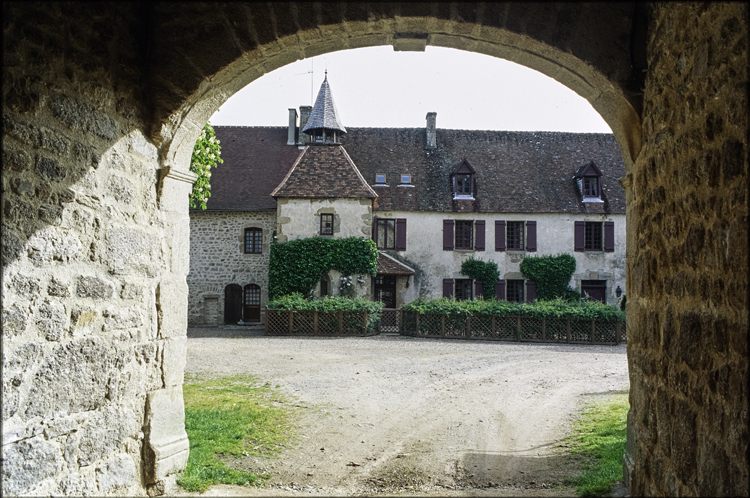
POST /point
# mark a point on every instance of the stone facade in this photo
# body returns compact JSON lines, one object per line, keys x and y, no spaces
{"x":102,"y":105}
{"x":217,"y":259}
{"x":688,"y":263}
{"x":300,"y":218}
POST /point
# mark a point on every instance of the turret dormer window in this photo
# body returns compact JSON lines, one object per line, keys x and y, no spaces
{"x":463,"y":181}
{"x":588,"y":178}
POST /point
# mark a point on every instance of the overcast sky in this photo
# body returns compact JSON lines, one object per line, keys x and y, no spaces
{"x":378,"y":87}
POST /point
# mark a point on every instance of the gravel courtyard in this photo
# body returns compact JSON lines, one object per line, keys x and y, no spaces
{"x":429,"y":417}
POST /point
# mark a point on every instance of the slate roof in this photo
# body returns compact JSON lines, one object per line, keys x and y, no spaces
{"x":255,"y":161}
{"x":516,"y":172}
{"x":389,"y":266}
{"x":324,"y":113}
{"x":324,"y":171}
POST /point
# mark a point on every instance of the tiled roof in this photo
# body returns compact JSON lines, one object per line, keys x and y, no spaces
{"x":324,"y":171}
{"x":389,"y":266}
{"x":324,"y":113}
{"x":255,"y":161}
{"x":516,"y":172}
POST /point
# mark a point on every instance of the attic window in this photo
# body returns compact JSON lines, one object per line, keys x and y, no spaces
{"x":588,"y":178}
{"x":405,"y":178}
{"x":380,"y":178}
{"x":591,"y":186}
{"x":463,"y":181}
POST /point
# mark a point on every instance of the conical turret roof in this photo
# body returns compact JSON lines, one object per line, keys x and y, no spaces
{"x":324,"y":114}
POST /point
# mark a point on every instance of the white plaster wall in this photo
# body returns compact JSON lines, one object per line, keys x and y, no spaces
{"x":217,"y":258}
{"x":555,"y":234}
{"x":300,"y":218}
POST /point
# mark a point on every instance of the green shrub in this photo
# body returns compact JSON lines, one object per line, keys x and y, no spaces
{"x":298,"y":266}
{"x":557,"y":308}
{"x":484,"y":271}
{"x":297,"y":302}
{"x":551,"y":273}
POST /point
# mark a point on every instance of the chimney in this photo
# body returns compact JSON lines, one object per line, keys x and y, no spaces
{"x":304,"y":115}
{"x":292,"y":134}
{"x":431,"y":131}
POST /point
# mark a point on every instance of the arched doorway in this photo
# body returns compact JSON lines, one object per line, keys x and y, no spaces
{"x":252,"y":303}
{"x":232,"y":304}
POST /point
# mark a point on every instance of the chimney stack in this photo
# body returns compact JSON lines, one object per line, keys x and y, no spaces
{"x":431,"y":131}
{"x":304,"y":116}
{"x":292,"y":134}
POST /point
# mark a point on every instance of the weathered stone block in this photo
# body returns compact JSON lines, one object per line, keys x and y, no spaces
{"x":123,"y":318}
{"x":80,"y":115}
{"x":28,"y":462}
{"x":116,"y":472}
{"x":167,"y":448}
{"x":14,"y":320}
{"x":93,"y":287}
{"x":174,"y":358}
{"x":171,"y":301}
{"x":78,"y":485}
{"x":105,"y":432}
{"x":128,"y":250}
{"x":51,"y":320}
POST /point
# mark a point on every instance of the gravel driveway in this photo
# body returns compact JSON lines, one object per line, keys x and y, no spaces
{"x":394,"y":414}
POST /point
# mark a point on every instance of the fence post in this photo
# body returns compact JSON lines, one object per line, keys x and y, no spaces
{"x":265,"y":322}
{"x":341,"y":322}
{"x":518,"y":328}
{"x":544,"y":330}
{"x":315,"y":322}
{"x":468,"y":327}
{"x":567,"y":330}
{"x":593,"y":329}
{"x":291,"y":321}
{"x":399,"y":321}
{"x":618,"y":333}
{"x":416,"y":331}
{"x":442,"y":325}
{"x":365,"y":322}
{"x":493,"y":326}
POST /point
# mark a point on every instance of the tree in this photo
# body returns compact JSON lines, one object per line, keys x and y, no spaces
{"x":206,"y":155}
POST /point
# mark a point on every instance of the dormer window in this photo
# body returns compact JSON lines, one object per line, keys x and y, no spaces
{"x":405,"y":178}
{"x":463,"y":181}
{"x":588,"y":178}
{"x":379,"y":178}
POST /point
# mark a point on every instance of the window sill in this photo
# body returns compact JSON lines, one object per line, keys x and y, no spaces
{"x":381,"y":185}
{"x":463,"y":197}
{"x":405,"y":185}
{"x":595,"y":200}
{"x":463,"y":250}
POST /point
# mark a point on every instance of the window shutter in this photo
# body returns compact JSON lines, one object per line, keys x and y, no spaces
{"x":401,"y":234}
{"x":530,"y":291}
{"x":500,"y":290}
{"x":609,"y":236}
{"x":479,"y":245}
{"x":447,"y":287}
{"x":531,"y":236}
{"x":375,"y":229}
{"x":580,"y":228}
{"x":500,"y":236}
{"x":478,"y":288}
{"x":447,"y":235}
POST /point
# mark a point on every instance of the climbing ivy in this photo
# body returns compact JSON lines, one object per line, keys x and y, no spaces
{"x":552,"y":275}
{"x":298,"y":266}
{"x":484,"y":271}
{"x":206,"y":154}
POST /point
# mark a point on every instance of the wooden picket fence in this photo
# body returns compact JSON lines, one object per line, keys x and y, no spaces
{"x":320,"y":323}
{"x":512,"y":328}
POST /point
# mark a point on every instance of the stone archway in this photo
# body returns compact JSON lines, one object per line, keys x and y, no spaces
{"x":103,"y":101}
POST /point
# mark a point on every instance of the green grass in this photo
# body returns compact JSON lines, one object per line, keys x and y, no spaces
{"x":230,"y":416}
{"x":599,"y":436}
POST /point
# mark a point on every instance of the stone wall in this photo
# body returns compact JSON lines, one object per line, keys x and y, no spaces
{"x":688,"y":262}
{"x":300,"y":218}
{"x":93,"y":354}
{"x":217,"y":259}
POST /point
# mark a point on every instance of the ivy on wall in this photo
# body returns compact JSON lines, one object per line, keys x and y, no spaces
{"x":552,"y":275}
{"x":298,"y":266}
{"x":484,"y":271}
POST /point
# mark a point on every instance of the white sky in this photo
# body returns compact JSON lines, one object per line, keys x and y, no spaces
{"x":378,"y":87}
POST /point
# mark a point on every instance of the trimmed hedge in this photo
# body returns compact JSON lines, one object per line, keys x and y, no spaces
{"x":557,"y":308}
{"x":297,"y":302}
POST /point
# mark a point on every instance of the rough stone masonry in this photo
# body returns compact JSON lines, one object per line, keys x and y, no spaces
{"x":102,"y":104}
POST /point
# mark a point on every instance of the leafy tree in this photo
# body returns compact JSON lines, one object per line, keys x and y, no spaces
{"x":206,"y":155}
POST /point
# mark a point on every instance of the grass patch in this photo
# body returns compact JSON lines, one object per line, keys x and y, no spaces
{"x":599,"y":436}
{"x":231,"y":416}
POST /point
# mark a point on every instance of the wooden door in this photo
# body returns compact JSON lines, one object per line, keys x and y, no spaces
{"x":596,"y":289}
{"x":385,"y":290}
{"x":232,"y":304}
{"x":252,"y":303}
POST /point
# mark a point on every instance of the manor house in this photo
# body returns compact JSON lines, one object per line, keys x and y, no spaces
{"x":430,"y":198}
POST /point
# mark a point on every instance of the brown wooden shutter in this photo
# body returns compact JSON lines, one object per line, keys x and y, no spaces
{"x":478,"y":288}
{"x":375,"y":229}
{"x":447,"y":235}
{"x":500,"y":235}
{"x":401,"y":234}
{"x":609,"y":236}
{"x":479,"y":246}
{"x":531,"y":236}
{"x":447,"y":287}
{"x":580,"y":230}
{"x":530,"y":291}
{"x":500,"y":290}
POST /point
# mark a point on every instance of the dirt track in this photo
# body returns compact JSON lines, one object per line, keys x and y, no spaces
{"x":392,"y":414}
